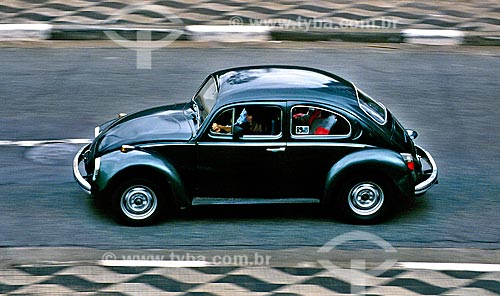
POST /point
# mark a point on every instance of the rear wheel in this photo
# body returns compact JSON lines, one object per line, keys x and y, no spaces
{"x":137,"y":202}
{"x":366,"y":199}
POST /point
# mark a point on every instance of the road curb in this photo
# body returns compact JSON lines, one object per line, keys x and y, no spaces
{"x":263,"y":34}
{"x":99,"y":32}
{"x":413,"y":36}
{"x":204,"y":33}
{"x":337,"y":35}
{"x":482,"y":39}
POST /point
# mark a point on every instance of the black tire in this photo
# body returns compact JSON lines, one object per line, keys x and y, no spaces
{"x":137,"y":202}
{"x":366,"y":199}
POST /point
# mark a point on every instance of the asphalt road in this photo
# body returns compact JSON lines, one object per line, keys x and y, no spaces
{"x":451,"y":98}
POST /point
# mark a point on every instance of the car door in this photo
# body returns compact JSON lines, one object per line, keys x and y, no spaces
{"x":319,"y":137}
{"x":242,"y":166}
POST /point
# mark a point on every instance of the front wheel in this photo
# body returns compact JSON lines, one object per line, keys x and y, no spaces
{"x":137,"y":202}
{"x":366,"y":199}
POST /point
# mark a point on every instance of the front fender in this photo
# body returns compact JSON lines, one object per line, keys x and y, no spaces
{"x":371,"y":161}
{"x":115,"y":163}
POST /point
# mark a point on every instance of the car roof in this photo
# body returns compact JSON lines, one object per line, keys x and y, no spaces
{"x":257,"y":83}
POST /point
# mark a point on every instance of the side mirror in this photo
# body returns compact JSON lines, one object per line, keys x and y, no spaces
{"x":413,"y":134}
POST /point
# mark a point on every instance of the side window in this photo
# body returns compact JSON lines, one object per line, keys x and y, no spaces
{"x":248,"y":122}
{"x":223,"y":123}
{"x":316,"y":121}
{"x":258,"y":121}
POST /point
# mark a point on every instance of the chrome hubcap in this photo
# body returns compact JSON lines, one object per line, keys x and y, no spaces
{"x":366,"y":198}
{"x":138,"y":202}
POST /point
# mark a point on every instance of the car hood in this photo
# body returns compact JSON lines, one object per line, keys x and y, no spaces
{"x":166,"y":123}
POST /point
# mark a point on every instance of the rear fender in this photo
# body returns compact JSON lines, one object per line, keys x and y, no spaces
{"x":115,"y":164}
{"x":381,"y":162}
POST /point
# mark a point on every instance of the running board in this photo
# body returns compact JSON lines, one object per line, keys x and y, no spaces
{"x":198,"y":201}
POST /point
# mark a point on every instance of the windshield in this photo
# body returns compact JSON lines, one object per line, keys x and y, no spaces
{"x":205,"y":98}
{"x":372,"y":108}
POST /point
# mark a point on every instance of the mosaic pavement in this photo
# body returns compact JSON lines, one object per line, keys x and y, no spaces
{"x":219,"y":280}
{"x":469,"y":15}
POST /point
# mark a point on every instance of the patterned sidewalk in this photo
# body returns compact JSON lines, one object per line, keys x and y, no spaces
{"x":466,"y":15}
{"x":92,"y":279}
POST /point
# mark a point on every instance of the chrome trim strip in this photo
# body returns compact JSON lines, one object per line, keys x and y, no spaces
{"x":164,"y":144}
{"x":197,"y":201}
{"x":279,"y":149}
{"x":97,"y":131}
{"x":84,"y":184}
{"x":319,"y":137}
{"x":251,"y":144}
{"x":316,"y":137}
{"x":260,"y":137}
{"x":220,"y":136}
{"x":425,"y":185}
{"x":289,"y":144}
{"x":328,"y":144}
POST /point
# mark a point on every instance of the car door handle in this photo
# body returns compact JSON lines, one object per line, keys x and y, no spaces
{"x":280,"y":149}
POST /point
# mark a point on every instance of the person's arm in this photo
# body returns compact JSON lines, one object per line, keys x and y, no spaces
{"x":218,"y":128}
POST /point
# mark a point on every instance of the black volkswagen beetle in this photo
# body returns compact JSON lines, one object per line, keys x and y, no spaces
{"x":262,"y":134}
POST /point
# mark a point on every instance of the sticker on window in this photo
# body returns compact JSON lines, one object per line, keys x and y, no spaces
{"x":302,"y":130}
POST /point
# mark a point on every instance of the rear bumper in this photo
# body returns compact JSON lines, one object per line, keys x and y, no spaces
{"x":82,"y":182}
{"x":431,"y":176}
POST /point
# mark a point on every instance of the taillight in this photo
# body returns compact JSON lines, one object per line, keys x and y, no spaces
{"x":410,"y":163}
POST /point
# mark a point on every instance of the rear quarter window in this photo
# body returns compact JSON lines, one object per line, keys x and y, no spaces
{"x":372,"y":108}
{"x":316,"y":121}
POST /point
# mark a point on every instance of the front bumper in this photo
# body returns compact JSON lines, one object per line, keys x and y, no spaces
{"x":82,"y":182}
{"x":431,"y":175}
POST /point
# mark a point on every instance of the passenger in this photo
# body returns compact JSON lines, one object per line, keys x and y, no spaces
{"x":320,"y":122}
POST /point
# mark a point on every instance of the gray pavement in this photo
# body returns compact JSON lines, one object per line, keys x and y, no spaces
{"x":448,"y":94}
{"x":449,"y":97}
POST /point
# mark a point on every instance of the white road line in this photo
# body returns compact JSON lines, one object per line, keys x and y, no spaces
{"x":406,"y":265}
{"x":229,"y":33}
{"x":35,"y":143}
{"x":25,"y":31}
{"x":450,"y":266}
{"x":433,"y":37}
{"x":153,"y":263}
